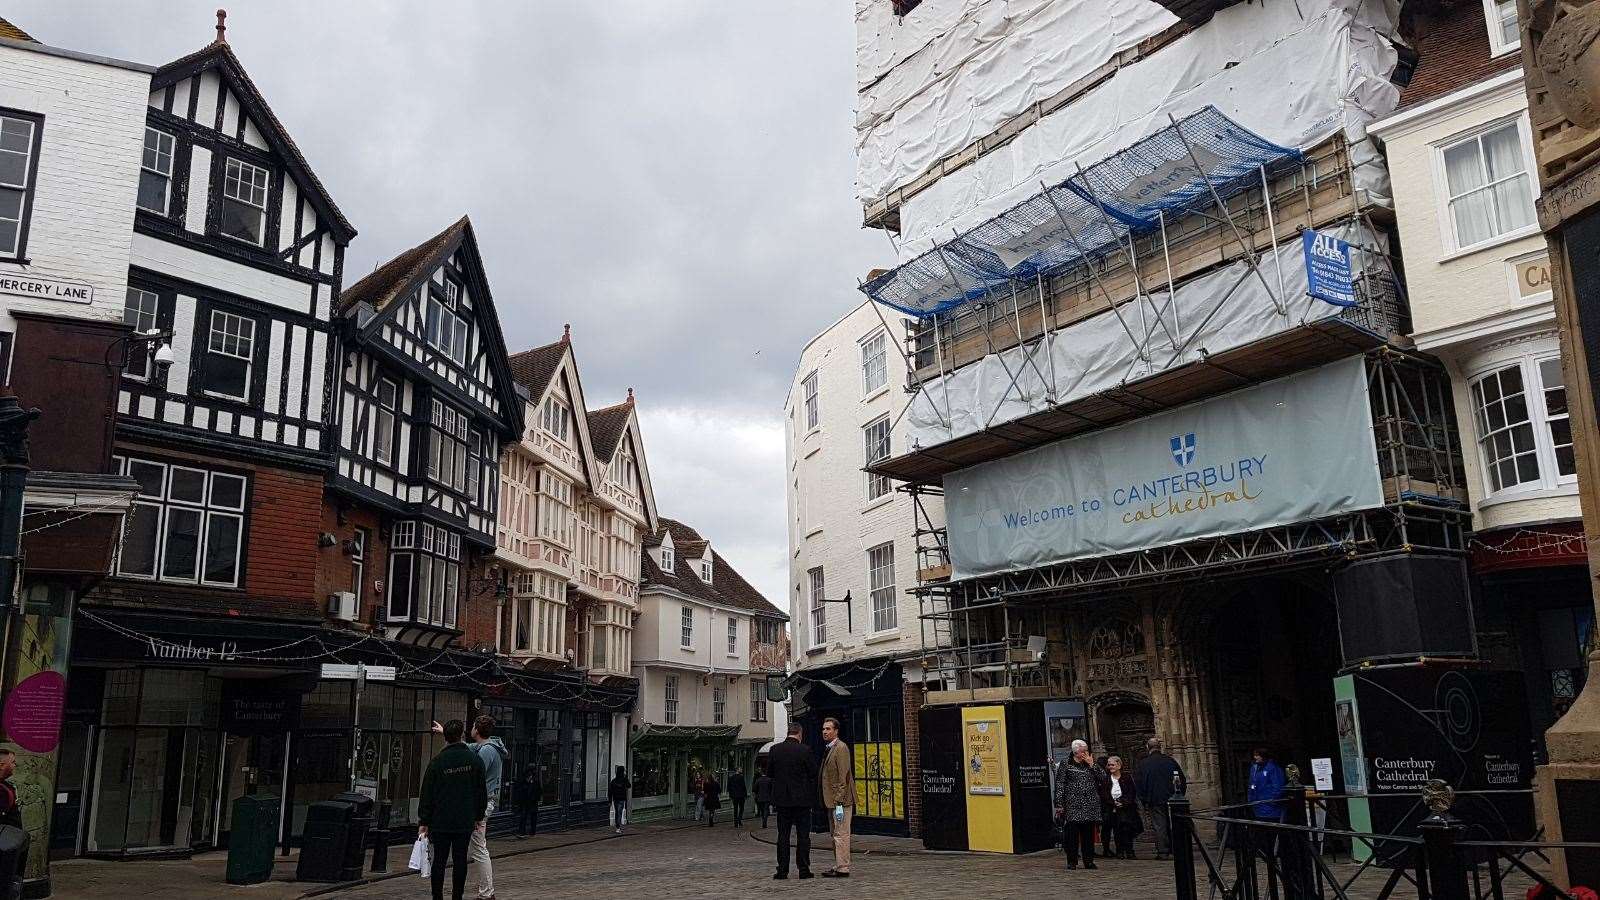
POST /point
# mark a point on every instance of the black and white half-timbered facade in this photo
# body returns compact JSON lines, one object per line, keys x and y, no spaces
{"x":425,"y":402}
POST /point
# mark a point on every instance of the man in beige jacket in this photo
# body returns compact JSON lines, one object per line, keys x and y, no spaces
{"x":839,"y":796}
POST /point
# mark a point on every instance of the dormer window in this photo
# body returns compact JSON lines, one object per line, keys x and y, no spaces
{"x":244,"y":201}
{"x":705,"y":571}
{"x":155,"y":172}
{"x":667,"y":563}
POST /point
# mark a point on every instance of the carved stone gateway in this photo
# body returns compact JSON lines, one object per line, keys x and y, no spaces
{"x":1562,"y":66}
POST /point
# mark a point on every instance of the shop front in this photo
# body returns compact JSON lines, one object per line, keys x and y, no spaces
{"x":561,"y":760}
{"x":868,"y":700}
{"x":671,"y":762}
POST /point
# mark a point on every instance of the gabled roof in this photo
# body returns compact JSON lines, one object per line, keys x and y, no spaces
{"x":398,"y":276}
{"x":727,"y":586}
{"x":607,"y":426}
{"x":534,"y":368}
{"x":395,"y":277}
{"x":12,"y":33}
{"x":220,"y":56}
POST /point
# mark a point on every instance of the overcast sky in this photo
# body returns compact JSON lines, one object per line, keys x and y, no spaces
{"x":672,"y":177}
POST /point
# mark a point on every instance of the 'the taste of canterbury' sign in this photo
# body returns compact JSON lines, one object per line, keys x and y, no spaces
{"x":36,"y":288}
{"x":1289,"y":450}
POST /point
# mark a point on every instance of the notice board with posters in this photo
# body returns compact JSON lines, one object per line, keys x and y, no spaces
{"x":1409,"y":724}
{"x":983,"y":749}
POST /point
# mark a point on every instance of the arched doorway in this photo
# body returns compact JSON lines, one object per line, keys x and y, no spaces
{"x":1123,"y":723}
{"x":1276,"y":646}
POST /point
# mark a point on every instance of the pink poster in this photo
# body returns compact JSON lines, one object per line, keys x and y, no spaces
{"x":32,"y":718}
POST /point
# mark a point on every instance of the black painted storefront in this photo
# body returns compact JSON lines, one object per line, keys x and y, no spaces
{"x":868,"y":699}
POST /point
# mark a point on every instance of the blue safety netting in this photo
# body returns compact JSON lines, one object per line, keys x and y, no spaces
{"x":1126,"y":193}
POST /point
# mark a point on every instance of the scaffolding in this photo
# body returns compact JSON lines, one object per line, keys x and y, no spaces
{"x":986,"y":638}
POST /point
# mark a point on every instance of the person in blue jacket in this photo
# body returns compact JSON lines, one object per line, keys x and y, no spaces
{"x":1266,"y":787}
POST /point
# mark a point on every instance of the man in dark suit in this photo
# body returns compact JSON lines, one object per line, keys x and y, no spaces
{"x":793,"y":768}
{"x":1155,"y":781}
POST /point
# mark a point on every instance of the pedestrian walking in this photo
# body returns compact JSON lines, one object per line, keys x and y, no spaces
{"x":1157,"y":778}
{"x":619,"y":797}
{"x":526,"y":794}
{"x":698,"y":785}
{"x":453,"y":805}
{"x":1266,"y":787}
{"x":492,"y":752}
{"x":1079,"y":787}
{"x":763,"y":792}
{"x":793,"y":770}
{"x":711,"y":794}
{"x":1123,"y":821}
{"x":838,"y":796}
{"x":737,"y":792}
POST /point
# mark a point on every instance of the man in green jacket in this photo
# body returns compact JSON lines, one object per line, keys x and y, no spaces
{"x":454,"y":800}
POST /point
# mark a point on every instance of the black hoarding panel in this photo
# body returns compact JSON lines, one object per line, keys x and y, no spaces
{"x":1404,"y":607}
{"x":1468,"y":727}
{"x":944,"y":785}
{"x":1031,"y":828}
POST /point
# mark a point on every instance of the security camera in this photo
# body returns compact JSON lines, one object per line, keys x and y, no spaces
{"x":163,"y":357}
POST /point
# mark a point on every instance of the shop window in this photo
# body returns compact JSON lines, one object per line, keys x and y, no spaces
{"x":186,"y":525}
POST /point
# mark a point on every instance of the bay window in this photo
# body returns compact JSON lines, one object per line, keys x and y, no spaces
{"x":424,"y":574}
{"x":186,"y":525}
{"x":1524,"y":433}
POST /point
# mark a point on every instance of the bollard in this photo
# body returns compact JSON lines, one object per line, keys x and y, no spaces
{"x":380,"y":840}
{"x":1447,"y":876}
{"x":1181,"y":830}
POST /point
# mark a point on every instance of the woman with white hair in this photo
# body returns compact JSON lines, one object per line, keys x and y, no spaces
{"x":1080,"y":789}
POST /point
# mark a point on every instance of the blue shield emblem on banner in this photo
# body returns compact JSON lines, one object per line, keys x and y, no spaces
{"x":1183,"y":448}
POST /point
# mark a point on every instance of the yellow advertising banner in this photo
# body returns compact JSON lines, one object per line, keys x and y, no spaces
{"x":880,"y":779}
{"x":983,"y":744}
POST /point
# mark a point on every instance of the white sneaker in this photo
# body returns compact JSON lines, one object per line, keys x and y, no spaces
{"x":619,"y":831}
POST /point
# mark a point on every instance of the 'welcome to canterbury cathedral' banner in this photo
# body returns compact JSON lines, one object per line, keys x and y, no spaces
{"x":1297,"y":448}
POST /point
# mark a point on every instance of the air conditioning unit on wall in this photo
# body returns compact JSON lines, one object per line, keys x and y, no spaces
{"x":342,"y":605}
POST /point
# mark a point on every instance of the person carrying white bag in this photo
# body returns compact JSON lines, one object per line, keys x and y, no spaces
{"x":454,"y":801}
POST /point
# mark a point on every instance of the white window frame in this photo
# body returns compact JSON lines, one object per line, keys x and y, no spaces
{"x":239,"y":188}
{"x":686,"y":627}
{"x":669,"y":700}
{"x":165,"y":149}
{"x":876,"y":439}
{"x":668,"y":564}
{"x":433,"y":555}
{"x":135,"y":316}
{"x":819,"y":606}
{"x":454,"y":344}
{"x":206,"y":506}
{"x":874,"y":362}
{"x":719,"y":703}
{"x":447,"y":431}
{"x":25,"y":189}
{"x":733,"y":636}
{"x":1550,"y":477}
{"x":1441,"y":177}
{"x":808,"y":387}
{"x":1494,"y":22}
{"x":244,"y":348}
{"x":383,"y":421}
{"x":758,"y":699}
{"x":881,"y":590}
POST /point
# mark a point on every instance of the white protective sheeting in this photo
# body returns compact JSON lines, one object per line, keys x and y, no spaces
{"x":1294,"y":73}
{"x":952,"y":71}
{"x":1098,"y":353}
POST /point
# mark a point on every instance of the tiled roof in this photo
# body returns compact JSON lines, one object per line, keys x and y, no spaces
{"x":297,"y":160}
{"x":13,"y":33}
{"x":727,"y":586}
{"x":1452,"y":44}
{"x":534,"y":368}
{"x":388,"y":280}
{"x":606,"y":427}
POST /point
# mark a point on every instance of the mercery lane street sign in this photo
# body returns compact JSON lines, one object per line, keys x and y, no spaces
{"x":40,"y":288}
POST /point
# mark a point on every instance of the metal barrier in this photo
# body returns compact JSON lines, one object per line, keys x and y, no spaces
{"x":1252,"y":859}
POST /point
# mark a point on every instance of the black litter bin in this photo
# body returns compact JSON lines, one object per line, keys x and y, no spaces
{"x":331,"y":843}
{"x":251,"y":839}
{"x":13,"y":861}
